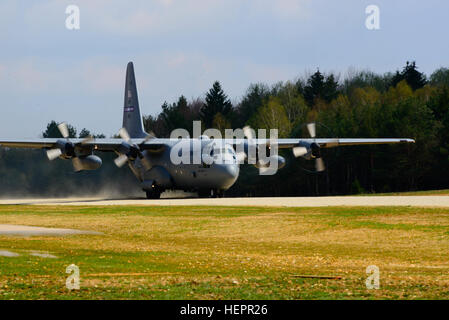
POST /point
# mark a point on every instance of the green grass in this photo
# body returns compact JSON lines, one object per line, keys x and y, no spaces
{"x":228,"y":252}
{"x":443,"y":192}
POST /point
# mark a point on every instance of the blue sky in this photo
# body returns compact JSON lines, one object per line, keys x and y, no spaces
{"x":180,"y":47}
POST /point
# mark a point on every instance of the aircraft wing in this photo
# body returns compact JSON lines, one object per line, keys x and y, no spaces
{"x":95,"y":144}
{"x":159,"y":144}
{"x":322,"y":142}
{"x":331,"y":143}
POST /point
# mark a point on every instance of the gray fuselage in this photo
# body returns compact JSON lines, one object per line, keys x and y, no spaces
{"x":219,"y":172}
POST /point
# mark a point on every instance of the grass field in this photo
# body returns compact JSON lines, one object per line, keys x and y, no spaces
{"x":228,"y":253}
{"x":443,"y":192}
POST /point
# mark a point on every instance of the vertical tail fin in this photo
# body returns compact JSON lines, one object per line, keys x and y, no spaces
{"x":132,"y":119}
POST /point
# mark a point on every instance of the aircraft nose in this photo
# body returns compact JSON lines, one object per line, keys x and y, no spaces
{"x":230,"y":173}
{"x":230,"y":170}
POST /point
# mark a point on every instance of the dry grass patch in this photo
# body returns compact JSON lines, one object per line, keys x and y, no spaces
{"x":229,"y":252}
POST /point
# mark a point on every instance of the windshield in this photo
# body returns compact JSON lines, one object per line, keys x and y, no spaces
{"x":223,"y":150}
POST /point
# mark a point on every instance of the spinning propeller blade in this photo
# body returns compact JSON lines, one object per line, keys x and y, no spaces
{"x":121,"y":160}
{"x":314,"y":149}
{"x":64,"y":130}
{"x":52,"y":154}
{"x":133,"y":150}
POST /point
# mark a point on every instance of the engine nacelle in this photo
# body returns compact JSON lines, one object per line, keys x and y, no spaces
{"x":90,"y":162}
{"x":308,"y":150}
{"x":67,"y":149}
{"x":266,"y":164}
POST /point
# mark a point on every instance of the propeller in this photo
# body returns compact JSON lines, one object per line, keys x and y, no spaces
{"x":262,"y":164}
{"x":319,"y":165}
{"x":300,"y":151}
{"x":130,"y":151}
{"x":311,"y":127}
{"x":66,"y":148}
{"x":52,"y":154}
{"x":249,"y":134}
{"x":63,"y":128}
{"x":242,"y":155}
{"x":313,"y":149}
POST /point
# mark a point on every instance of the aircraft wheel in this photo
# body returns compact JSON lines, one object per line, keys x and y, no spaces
{"x":217,"y":193}
{"x":210,"y":193}
{"x":153,"y":194}
{"x":204,"y":193}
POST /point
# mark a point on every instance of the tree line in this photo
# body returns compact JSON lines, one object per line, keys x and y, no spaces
{"x":405,"y":104}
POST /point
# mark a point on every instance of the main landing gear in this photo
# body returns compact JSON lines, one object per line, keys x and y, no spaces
{"x":154,"y":193}
{"x":211,"y":193}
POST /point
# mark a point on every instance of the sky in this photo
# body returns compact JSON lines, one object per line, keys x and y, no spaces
{"x":48,"y":72}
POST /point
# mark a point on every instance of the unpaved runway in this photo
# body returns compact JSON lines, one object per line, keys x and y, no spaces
{"x":418,"y":201}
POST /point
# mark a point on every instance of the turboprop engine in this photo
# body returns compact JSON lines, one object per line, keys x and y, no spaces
{"x":260,"y":164}
{"x":65,"y":149}
{"x":311,"y":150}
{"x":90,"y":162}
{"x":252,"y":153}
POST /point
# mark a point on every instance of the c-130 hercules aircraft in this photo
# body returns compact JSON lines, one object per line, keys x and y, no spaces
{"x":149,"y":158}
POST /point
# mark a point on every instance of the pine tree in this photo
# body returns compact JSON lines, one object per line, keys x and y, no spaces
{"x":314,"y":87}
{"x":410,"y":73}
{"x":320,"y":87}
{"x":52,"y":131}
{"x":84,"y":133}
{"x":174,"y":115}
{"x":330,"y":88}
{"x":216,"y":102}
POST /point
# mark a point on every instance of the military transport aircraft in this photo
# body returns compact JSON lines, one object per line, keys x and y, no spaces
{"x":150,"y":159}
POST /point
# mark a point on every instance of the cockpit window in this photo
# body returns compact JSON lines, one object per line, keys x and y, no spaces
{"x":222,"y":153}
{"x":223,"y":150}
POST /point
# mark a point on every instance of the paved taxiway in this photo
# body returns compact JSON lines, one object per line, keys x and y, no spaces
{"x":418,"y":201}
